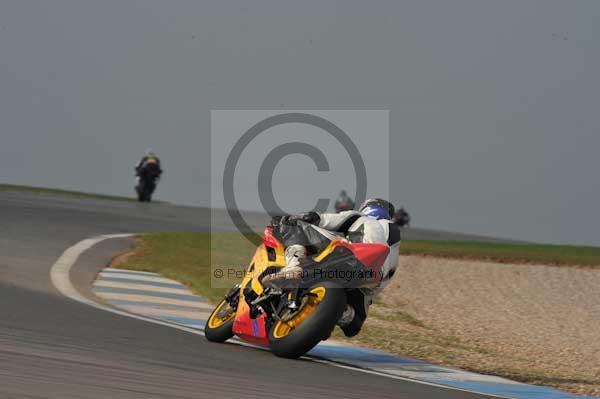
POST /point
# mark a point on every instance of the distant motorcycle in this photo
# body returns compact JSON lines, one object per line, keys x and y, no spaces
{"x":344,"y":206}
{"x":148,"y":176}
{"x":402,"y":218}
{"x":344,"y":202}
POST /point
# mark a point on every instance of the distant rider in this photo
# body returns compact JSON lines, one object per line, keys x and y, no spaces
{"x":344,"y":202}
{"x":402,"y":217}
{"x":149,"y":162}
{"x":370,"y":224}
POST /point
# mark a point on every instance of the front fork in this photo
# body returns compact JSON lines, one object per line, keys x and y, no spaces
{"x":233,"y":296}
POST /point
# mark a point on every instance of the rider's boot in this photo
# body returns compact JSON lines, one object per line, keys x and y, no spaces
{"x":295,"y":255}
{"x":347,"y":316}
{"x":354,"y":316}
{"x":350,"y":322}
{"x":352,"y":328}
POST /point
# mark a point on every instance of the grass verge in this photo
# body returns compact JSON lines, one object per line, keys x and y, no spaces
{"x":190,"y":258}
{"x":55,"y":191}
{"x":560,"y":255}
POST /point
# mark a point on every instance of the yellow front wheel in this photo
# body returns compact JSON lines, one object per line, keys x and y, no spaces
{"x":299,"y":331}
{"x":219,"y":326}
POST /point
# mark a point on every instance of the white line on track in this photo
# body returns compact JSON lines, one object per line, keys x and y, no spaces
{"x":155,"y":299}
{"x":141,"y":287}
{"x":129,"y":277}
{"x":157,"y":312}
{"x":134,"y":272}
{"x":60,"y":276}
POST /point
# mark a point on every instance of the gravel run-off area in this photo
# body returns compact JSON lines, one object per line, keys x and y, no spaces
{"x":536,"y":323}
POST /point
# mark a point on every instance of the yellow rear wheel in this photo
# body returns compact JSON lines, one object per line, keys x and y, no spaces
{"x":299,"y":331}
{"x":309,"y":305}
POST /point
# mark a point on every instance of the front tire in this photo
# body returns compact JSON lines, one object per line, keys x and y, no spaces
{"x":139,"y":189}
{"x":325,"y":306}
{"x":219,"y":326}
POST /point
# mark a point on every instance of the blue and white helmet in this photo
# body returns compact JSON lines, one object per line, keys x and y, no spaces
{"x":377,"y":208}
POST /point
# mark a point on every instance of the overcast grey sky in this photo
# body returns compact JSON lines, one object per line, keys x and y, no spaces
{"x":494,"y":105}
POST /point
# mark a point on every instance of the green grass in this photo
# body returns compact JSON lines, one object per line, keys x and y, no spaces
{"x":564,"y":255}
{"x":55,"y":191}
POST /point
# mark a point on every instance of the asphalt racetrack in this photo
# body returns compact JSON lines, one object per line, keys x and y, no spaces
{"x":54,"y":347}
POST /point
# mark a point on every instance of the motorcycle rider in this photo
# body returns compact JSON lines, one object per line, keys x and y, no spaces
{"x":344,"y":202}
{"x":402,"y":217}
{"x":149,"y":158}
{"x":370,"y":224}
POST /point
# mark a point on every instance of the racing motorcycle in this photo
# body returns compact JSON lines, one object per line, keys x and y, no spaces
{"x":293,"y":315}
{"x":148,"y":176}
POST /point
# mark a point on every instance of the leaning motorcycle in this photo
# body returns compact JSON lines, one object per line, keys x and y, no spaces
{"x":293,"y":315}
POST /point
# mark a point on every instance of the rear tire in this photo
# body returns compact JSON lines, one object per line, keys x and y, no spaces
{"x":315,"y":328}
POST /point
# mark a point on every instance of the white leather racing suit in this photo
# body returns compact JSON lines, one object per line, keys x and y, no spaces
{"x":360,"y":228}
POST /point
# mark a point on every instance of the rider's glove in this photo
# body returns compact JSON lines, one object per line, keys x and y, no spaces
{"x":280,"y":221}
{"x":310,"y":217}
{"x":292,"y":220}
{"x":289,"y":220}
